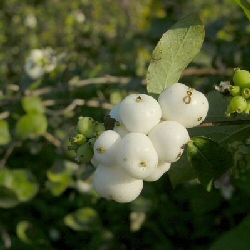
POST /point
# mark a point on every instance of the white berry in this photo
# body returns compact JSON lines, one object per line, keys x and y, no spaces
{"x":184,"y":105}
{"x":113,"y":183}
{"x":161,"y":169}
{"x":105,"y":147}
{"x":169,"y":138}
{"x":140,"y":113}
{"x":137,"y":155}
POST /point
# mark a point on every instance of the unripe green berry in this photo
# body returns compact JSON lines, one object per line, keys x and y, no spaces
{"x":85,"y":126}
{"x":245,"y":93}
{"x":84,"y":153}
{"x":241,"y":78}
{"x":237,"y":105}
{"x":99,"y":127}
{"x":235,"y":90}
{"x":79,"y":139}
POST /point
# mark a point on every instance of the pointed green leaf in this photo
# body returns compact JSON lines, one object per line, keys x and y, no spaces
{"x":4,"y":133}
{"x":84,"y":219}
{"x":175,"y":50}
{"x":245,"y":5}
{"x":209,"y":160}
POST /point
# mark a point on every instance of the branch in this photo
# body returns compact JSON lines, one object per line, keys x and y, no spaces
{"x":224,"y":123}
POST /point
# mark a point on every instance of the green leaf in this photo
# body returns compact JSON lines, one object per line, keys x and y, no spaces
{"x":235,"y":239}
{"x":8,"y":197}
{"x":181,"y":171}
{"x":245,"y":5}
{"x":175,"y":50}
{"x":84,"y":219}
{"x":30,"y":234}
{"x":57,"y":188}
{"x":62,"y":171}
{"x":4,"y":133}
{"x":33,"y":104}
{"x":31,"y":125}
{"x":209,"y":160}
{"x":24,"y":184}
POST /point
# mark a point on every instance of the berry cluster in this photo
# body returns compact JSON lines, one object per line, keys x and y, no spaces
{"x":240,"y":92}
{"x":83,"y":138}
{"x":146,"y":137}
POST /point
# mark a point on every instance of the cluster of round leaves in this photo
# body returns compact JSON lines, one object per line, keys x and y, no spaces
{"x":146,"y":137}
{"x":240,"y":92}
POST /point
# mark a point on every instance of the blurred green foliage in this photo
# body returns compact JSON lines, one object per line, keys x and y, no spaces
{"x":97,"y":52}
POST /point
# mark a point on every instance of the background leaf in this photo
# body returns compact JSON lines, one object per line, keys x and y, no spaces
{"x":209,"y":160}
{"x":175,"y":50}
{"x":84,"y":219}
{"x":4,"y":133}
{"x":237,"y":238}
{"x":245,"y":5}
{"x":33,"y":104}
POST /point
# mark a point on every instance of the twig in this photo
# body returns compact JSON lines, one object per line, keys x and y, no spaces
{"x":4,"y":115}
{"x":6,"y":239}
{"x":224,"y":123}
{"x":76,"y":102}
{"x":52,"y":139}
{"x":9,"y":152}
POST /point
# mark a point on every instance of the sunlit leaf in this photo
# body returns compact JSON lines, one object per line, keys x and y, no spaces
{"x":31,"y":125}
{"x":24,"y":184}
{"x":175,"y":50}
{"x":30,"y":234}
{"x":4,"y":133}
{"x":33,"y":104}
{"x":84,"y":219}
{"x":209,"y":160}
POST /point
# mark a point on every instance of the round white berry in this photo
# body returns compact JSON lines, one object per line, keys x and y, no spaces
{"x":161,"y":169}
{"x":184,"y":105}
{"x":105,"y":147}
{"x":137,"y":155}
{"x":140,"y":113}
{"x":169,"y":138}
{"x":113,"y":183}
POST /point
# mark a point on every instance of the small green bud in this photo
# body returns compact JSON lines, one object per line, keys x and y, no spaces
{"x":245,"y":93}
{"x":241,"y":78}
{"x":79,"y":139}
{"x":85,"y":126}
{"x":237,"y":105}
{"x":84,"y":153}
{"x":235,"y":90}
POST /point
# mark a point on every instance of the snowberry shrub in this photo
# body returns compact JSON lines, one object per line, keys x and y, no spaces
{"x":169,"y":139}
{"x":183,"y":104}
{"x":113,"y":183}
{"x":105,"y":147}
{"x":140,"y":113}
{"x":137,"y":155}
